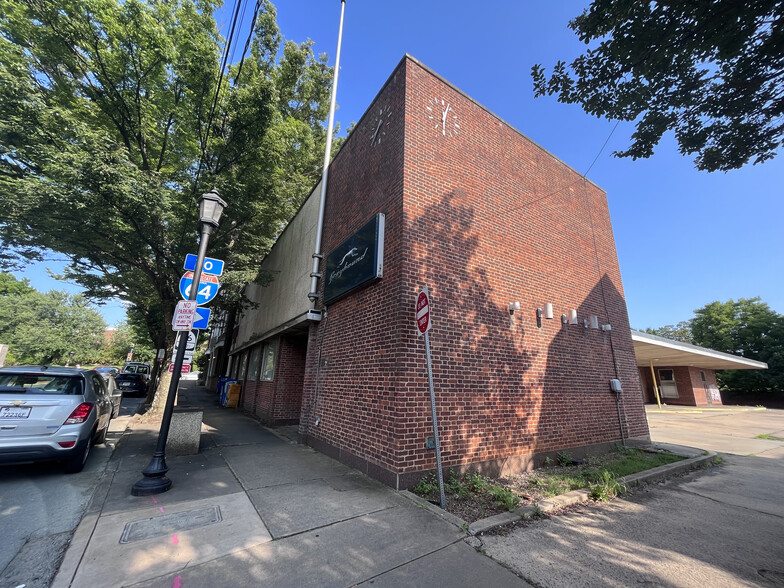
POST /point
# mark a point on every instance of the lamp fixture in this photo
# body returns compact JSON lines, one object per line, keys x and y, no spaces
{"x":548,"y":310}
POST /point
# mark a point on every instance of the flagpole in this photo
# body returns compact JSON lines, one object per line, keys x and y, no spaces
{"x":317,"y":255}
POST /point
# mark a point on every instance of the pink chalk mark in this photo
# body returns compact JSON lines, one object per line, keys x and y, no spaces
{"x":153,"y":500}
{"x":177,"y":583}
{"x":160,"y":508}
{"x":174,"y":539}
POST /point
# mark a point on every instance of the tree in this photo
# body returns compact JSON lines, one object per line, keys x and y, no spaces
{"x":680,"y":332}
{"x":712,"y":72}
{"x":116,"y":349}
{"x":115,"y":115}
{"x":44,"y":328}
{"x":751,"y":329}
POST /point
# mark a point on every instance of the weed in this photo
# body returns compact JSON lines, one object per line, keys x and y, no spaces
{"x":769,"y":437}
{"x":564,"y":458}
{"x":427,"y":486}
{"x":718,"y":460}
{"x":606,"y":488}
{"x":464,"y":528}
{"x":548,"y":461}
{"x":455,"y":486}
{"x":476,"y":482}
{"x":538,"y":510}
{"x":504,"y":497}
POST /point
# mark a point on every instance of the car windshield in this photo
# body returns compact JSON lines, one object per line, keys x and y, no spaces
{"x":39,"y":384}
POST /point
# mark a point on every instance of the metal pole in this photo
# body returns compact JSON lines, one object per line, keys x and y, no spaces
{"x":317,"y":255}
{"x":655,"y":387}
{"x":155,"y":480}
{"x":435,"y":423}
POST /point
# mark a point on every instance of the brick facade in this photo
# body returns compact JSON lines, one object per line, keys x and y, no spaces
{"x":483,"y":217}
{"x":277,"y":401}
{"x":692,"y":391}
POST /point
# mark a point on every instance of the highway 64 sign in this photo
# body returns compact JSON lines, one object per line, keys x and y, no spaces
{"x":208,"y":287}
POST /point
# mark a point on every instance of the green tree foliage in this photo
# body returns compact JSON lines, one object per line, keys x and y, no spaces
{"x":713,"y":72}
{"x":115,"y":350}
{"x":44,"y":328}
{"x":749,"y":328}
{"x":105,"y":110}
{"x":680,"y":332}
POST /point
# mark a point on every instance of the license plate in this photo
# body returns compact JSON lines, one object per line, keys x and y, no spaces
{"x":125,"y":385}
{"x":15,"y":412}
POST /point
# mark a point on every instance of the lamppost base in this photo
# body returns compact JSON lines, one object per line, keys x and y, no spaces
{"x":148,"y":486}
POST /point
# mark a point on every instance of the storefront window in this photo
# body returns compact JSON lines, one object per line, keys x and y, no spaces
{"x":253,"y":366}
{"x":268,"y":361}
{"x":243,"y":364}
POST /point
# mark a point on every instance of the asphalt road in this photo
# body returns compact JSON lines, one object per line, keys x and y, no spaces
{"x":40,"y":507}
{"x":719,"y":527}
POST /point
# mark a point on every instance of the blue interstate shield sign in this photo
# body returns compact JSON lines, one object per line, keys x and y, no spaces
{"x":358,"y":260}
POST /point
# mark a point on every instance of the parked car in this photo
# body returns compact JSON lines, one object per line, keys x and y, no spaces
{"x":103,"y":370}
{"x":115,"y":393}
{"x":52,"y":413}
{"x":132,"y":384}
{"x":138,"y":367}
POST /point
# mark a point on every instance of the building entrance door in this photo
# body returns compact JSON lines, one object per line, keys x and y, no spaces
{"x":669,"y":389}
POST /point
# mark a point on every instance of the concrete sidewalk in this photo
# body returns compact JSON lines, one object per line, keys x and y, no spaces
{"x":256,"y":509}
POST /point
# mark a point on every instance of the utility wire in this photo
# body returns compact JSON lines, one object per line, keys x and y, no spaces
{"x":226,"y":51}
{"x":562,"y":188}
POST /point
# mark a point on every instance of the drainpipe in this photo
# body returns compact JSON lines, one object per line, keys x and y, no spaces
{"x":313,"y":295}
{"x":655,"y":387}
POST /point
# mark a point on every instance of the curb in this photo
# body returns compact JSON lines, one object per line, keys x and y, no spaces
{"x":84,"y":530}
{"x":570,"y":498}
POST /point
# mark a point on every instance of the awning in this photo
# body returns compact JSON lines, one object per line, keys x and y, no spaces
{"x":667,"y":352}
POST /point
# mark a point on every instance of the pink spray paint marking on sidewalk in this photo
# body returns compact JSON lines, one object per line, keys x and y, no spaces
{"x":177,"y":583}
{"x":175,"y":540}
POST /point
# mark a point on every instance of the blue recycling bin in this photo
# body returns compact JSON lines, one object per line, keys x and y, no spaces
{"x":223,"y":388}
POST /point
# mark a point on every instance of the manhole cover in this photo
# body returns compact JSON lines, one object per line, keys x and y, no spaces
{"x":170,"y":523}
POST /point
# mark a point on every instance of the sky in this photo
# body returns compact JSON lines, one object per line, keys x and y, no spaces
{"x":684,"y":238}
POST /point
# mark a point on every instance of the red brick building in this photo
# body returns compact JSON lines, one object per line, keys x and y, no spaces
{"x":488,"y":221}
{"x":673,"y":372}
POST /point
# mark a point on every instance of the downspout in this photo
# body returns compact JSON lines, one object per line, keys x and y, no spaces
{"x":313,"y":295}
{"x":655,"y":387}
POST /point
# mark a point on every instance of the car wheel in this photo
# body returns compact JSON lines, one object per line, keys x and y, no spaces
{"x":76,"y":463}
{"x":101,"y":438}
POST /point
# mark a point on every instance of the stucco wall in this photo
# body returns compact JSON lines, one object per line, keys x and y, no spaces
{"x":290,"y":263}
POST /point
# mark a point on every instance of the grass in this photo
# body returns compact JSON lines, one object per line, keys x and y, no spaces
{"x":473,"y":496}
{"x":769,"y":437}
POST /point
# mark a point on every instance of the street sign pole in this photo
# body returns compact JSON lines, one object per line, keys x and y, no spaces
{"x":435,"y":424}
{"x":155,"y":480}
{"x":423,"y":323}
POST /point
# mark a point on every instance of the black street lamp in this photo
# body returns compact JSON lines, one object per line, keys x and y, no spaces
{"x":155,"y":481}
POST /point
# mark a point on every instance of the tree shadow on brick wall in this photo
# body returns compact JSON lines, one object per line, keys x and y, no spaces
{"x":578,"y":407}
{"x":485,"y":408}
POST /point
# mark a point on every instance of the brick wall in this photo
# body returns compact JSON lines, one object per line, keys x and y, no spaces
{"x":482,"y":216}
{"x":278,"y":401}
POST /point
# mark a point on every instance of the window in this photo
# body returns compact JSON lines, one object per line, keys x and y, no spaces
{"x":253,"y":367}
{"x":268,"y":360}
{"x":243,"y":363}
{"x":702,"y":375}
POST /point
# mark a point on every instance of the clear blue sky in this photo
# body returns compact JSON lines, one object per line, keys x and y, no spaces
{"x":684,"y":238}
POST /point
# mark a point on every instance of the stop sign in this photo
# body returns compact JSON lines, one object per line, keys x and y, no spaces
{"x":423,"y":312}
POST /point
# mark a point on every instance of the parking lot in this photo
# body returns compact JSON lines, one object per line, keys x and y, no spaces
{"x":717,"y":527}
{"x":732,"y":429}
